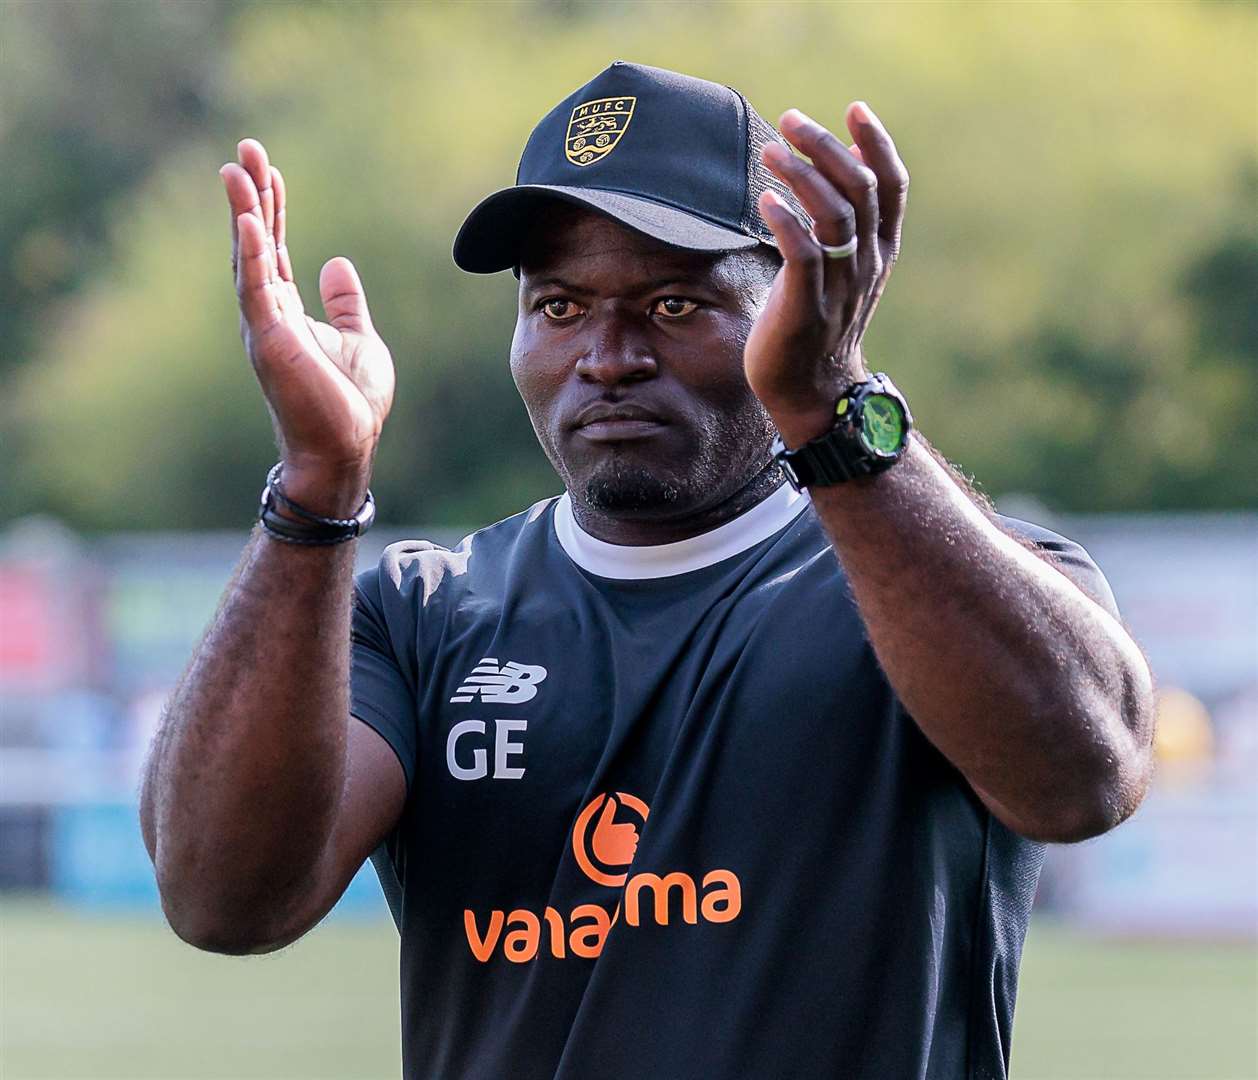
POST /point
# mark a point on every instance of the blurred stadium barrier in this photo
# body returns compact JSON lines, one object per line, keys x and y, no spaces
{"x":94,"y":633}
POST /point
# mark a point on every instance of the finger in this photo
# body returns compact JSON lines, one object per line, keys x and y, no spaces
{"x":834,"y":219}
{"x":231,"y":213}
{"x":242,"y":198}
{"x":857,"y":182}
{"x":802,"y":273}
{"x":242,"y":194}
{"x":855,"y":151}
{"x":282,"y":261}
{"x":879,"y":153}
{"x":255,"y":278}
{"x":344,"y":301}
{"x":253,"y":158}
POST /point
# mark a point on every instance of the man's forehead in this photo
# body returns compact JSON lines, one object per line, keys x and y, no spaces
{"x":573,"y":239}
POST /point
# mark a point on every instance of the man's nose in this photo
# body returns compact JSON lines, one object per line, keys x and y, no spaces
{"x":615,"y":352}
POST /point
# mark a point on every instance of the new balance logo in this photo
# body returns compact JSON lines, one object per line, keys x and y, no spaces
{"x":510,"y":684}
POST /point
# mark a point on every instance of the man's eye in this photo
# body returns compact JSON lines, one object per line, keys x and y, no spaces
{"x":560,"y":310}
{"x":674,"y":307}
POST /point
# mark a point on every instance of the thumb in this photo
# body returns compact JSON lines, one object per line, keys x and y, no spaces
{"x":344,"y":301}
{"x":607,"y":814}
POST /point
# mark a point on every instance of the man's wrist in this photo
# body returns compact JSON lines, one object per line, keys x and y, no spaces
{"x":867,"y":434}
{"x":800,"y":427}
{"x":799,"y":424}
{"x":329,"y":491}
{"x":801,"y":419}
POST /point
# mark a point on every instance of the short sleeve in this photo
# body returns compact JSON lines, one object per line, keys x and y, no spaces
{"x":1069,"y":558}
{"x":382,"y":666}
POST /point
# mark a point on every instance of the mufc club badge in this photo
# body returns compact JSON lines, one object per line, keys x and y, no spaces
{"x":596,"y":128}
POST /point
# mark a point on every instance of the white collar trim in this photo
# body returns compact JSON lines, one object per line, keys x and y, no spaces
{"x":634,"y":563}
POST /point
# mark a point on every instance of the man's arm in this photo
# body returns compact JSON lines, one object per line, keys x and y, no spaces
{"x":1036,"y":693}
{"x":1028,"y":686}
{"x":261,"y":796}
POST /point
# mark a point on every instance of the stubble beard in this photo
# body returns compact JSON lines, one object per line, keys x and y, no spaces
{"x":729,"y":453}
{"x":620,"y":487}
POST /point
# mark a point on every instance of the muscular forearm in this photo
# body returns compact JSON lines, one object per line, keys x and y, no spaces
{"x":1030,"y":688}
{"x":244,"y":778}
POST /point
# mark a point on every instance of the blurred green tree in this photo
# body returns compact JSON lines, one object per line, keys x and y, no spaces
{"x":1076,"y":255}
{"x":93,"y":95}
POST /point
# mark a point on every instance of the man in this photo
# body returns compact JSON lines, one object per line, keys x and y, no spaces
{"x":658,"y":785}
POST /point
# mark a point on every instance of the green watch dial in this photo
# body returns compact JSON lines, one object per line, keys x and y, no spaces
{"x":882,"y":424}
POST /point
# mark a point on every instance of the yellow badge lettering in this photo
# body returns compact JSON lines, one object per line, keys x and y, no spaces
{"x":596,"y":127}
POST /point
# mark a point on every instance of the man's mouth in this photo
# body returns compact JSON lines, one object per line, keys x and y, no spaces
{"x":606,"y":422}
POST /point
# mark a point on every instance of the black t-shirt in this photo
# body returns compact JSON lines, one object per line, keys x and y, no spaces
{"x":666,"y":818}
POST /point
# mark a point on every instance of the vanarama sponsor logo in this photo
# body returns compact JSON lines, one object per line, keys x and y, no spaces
{"x":604,"y":848}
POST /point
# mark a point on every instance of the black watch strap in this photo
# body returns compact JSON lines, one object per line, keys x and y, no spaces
{"x":816,"y":464}
{"x":841,"y":454}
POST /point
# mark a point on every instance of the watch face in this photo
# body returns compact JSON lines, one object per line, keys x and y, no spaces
{"x":882,"y":425}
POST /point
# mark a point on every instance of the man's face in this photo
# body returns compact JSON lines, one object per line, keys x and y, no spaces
{"x":628,"y":355}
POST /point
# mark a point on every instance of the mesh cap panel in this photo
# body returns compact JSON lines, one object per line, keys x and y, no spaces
{"x":759,"y":134}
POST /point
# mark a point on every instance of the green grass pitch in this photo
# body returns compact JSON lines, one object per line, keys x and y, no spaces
{"x":110,"y":997}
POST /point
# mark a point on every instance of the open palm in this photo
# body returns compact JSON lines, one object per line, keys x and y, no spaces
{"x":329,"y":385}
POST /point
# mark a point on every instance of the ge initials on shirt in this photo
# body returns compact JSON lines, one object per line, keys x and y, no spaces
{"x":508,"y":684}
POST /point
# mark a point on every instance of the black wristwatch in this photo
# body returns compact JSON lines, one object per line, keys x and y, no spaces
{"x":871,"y":430}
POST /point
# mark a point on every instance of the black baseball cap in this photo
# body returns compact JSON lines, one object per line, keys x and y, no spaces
{"x":674,"y":157}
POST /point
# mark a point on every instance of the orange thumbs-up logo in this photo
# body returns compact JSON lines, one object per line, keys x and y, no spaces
{"x":605,"y":851}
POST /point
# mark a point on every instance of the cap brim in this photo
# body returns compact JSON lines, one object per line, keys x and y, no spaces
{"x":491,"y":237}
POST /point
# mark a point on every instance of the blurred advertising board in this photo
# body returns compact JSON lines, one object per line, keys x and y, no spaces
{"x":1187,"y":585}
{"x":98,"y":860}
{"x":1185,"y":865}
{"x":94,"y":634}
{"x":47,"y":610}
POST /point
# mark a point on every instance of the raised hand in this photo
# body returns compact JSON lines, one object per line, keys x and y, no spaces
{"x":805,"y":347}
{"x":329,"y":385}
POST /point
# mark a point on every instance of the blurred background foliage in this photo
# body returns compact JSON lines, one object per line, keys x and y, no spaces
{"x":1074,"y":315}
